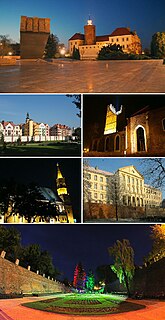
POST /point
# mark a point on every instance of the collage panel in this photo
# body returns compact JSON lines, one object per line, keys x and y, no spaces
{"x":42,"y":190}
{"x":124,"y":125}
{"x":85,"y":277}
{"x":40,"y":125}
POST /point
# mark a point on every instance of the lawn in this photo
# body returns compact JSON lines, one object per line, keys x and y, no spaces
{"x":42,"y":149}
{"x":84,"y":304}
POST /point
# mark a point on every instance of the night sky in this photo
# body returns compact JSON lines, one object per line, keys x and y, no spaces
{"x":42,"y":171}
{"x":70,"y":244}
{"x":69,"y":17}
{"x":95,"y":108}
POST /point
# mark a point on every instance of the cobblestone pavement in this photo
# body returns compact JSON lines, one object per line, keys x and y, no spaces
{"x":155,"y":310}
{"x":83,"y":77}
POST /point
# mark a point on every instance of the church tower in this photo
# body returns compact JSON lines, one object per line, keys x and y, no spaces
{"x":27,"y":117}
{"x":111,"y":119}
{"x":90,"y":33}
{"x":64,"y":195}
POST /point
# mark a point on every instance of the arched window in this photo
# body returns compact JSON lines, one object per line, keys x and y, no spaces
{"x":117,"y":143}
{"x":140,"y":139}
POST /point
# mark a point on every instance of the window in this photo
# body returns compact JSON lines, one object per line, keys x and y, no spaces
{"x":128,"y":179}
{"x":101,"y":196}
{"x":107,"y":180}
{"x":95,"y":177}
{"x":132,"y":180}
{"x":112,"y":40}
{"x":101,"y":187}
{"x":95,"y":185}
{"x":95,"y":195}
{"x":163,"y":124}
{"x":117,"y":143}
{"x":101,"y":179}
{"x":122,"y":39}
{"x":117,"y":40}
{"x":127,"y":39}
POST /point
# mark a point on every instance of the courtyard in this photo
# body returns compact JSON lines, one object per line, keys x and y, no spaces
{"x":59,"y":76}
{"x":12,"y":309}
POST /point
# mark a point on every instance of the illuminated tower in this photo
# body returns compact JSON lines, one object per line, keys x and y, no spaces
{"x":64,"y":195}
{"x":90,"y":33}
{"x":111,"y":119}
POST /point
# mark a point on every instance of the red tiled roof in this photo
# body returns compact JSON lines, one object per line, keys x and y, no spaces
{"x":5,"y":123}
{"x":121,"y":32}
{"x":102,"y":38}
{"x":77,"y":36}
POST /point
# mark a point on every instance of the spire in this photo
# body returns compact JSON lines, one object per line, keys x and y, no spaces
{"x":59,"y":174}
{"x":61,"y":184}
{"x":27,"y":117}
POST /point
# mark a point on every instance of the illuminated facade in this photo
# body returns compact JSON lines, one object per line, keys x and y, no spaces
{"x":89,"y":44}
{"x":139,"y":134}
{"x":58,"y":201}
{"x":132,"y":189}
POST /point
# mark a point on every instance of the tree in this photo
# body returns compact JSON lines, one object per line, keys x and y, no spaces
{"x":90,"y":281}
{"x":76,"y":101}
{"x":51,"y":47}
{"x":158,"y":247}
{"x":5,"y":45}
{"x":158,"y":45}
{"x":123,"y":266}
{"x":112,"y":51}
{"x":10,"y":242}
{"x":79,"y":277}
{"x":154,"y":170}
{"x":76,"y":54}
{"x":39,"y":260}
{"x":117,"y":192}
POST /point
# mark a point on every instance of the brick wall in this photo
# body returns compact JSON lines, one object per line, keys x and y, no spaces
{"x":15,"y":280}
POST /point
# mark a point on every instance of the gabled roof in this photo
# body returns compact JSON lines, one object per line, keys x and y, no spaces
{"x":121,"y":32}
{"x":102,"y":38}
{"x":5,"y":123}
{"x":77,"y":36}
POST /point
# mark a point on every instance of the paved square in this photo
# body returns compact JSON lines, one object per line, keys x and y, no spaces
{"x":83,"y":77}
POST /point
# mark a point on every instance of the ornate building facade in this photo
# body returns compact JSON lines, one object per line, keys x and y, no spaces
{"x":89,"y":44}
{"x":130,"y":187}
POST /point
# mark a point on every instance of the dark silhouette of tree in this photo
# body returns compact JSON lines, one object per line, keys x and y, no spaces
{"x":154,"y":170}
{"x":158,"y":45}
{"x":76,"y":54}
{"x":123,"y":266}
{"x":76,"y":101}
{"x":10,"y":242}
{"x":51,"y":47}
{"x":112,"y":51}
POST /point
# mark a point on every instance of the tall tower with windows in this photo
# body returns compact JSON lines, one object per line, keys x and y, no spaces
{"x":63,"y":193}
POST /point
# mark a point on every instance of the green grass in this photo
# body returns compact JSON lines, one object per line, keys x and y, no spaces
{"x":77,"y":304}
{"x":42,"y":149}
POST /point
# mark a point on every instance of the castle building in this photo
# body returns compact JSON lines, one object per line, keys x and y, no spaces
{"x":140,"y":134}
{"x":130,"y":186}
{"x":56,"y":202}
{"x":89,"y":44}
